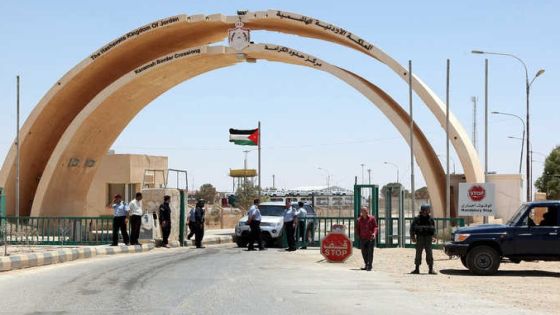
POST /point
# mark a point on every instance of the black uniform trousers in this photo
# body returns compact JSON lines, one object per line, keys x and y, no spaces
{"x":367,"y":247}
{"x":165,"y":230}
{"x":191,"y":230}
{"x":290,"y":234}
{"x":424,"y":242}
{"x":198,"y":234}
{"x":301,"y":230}
{"x":135,"y":223}
{"x":119,"y":224}
{"x":255,"y":235}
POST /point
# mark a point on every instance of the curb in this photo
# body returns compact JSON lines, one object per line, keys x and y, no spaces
{"x":47,"y":258}
{"x":213,"y":241}
{"x":65,"y":255}
{"x":122,"y":249}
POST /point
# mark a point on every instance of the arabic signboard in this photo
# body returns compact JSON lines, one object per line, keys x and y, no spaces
{"x":336,"y":247}
{"x":477,"y":200}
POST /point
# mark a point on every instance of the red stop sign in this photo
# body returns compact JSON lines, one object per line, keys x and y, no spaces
{"x":477,"y":193}
{"x":336,"y":247}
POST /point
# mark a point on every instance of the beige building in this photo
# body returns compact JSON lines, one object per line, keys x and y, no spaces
{"x":123,"y":174}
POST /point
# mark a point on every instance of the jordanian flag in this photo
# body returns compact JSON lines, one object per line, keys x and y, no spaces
{"x":244,"y":137}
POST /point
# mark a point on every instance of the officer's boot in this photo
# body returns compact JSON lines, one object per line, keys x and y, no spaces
{"x":432,"y":272}
{"x":416,"y":270}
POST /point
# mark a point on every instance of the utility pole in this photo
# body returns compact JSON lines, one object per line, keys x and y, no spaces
{"x":273,"y":181}
{"x":369,"y":176}
{"x":485,"y":218}
{"x":245,"y":169}
{"x":17,"y":153}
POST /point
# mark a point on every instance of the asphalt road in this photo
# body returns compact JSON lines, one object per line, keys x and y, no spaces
{"x":219,"y":280}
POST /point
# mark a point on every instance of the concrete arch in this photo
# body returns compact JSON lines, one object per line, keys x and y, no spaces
{"x":56,"y":110}
{"x":94,"y":130}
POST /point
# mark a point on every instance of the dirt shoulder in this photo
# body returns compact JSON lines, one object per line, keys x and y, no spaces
{"x":532,"y":286}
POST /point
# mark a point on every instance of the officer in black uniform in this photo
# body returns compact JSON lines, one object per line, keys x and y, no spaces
{"x":199,"y":214}
{"x":422,"y":231}
{"x":165,"y":220}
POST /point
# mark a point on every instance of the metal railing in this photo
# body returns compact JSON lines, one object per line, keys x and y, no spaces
{"x":388,"y":235}
{"x":58,"y":230}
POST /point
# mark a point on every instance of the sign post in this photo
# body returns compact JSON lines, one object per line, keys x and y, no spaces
{"x":477,"y":200}
{"x":336,"y":246}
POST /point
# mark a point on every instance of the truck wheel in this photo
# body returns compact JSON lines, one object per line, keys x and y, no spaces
{"x":464,"y":261}
{"x":483,"y":260}
{"x":241,"y":242}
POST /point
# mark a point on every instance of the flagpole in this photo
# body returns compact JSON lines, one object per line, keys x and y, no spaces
{"x":259,"y":145}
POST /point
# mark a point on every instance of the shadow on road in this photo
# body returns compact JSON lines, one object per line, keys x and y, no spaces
{"x":505,"y":273}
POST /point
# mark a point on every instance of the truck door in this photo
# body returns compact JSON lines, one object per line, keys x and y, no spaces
{"x":537,"y":235}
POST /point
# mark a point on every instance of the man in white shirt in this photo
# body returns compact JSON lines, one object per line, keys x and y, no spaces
{"x":302,"y":216}
{"x":254,"y":221}
{"x":135,"y":213}
{"x":290,"y":224}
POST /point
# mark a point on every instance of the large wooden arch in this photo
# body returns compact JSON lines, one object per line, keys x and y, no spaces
{"x":62,"y":187}
{"x":70,"y":95}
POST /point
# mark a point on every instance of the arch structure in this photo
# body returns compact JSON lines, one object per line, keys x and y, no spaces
{"x":130,"y":71}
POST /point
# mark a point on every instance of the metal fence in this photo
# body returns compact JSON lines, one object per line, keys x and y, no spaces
{"x":388,"y":234}
{"x":58,"y":230}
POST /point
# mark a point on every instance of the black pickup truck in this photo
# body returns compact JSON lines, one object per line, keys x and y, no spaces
{"x":533,"y":233}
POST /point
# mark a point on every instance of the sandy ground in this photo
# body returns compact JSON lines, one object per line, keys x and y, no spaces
{"x":533,"y":286}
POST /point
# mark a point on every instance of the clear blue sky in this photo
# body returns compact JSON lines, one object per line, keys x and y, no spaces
{"x":309,"y":118}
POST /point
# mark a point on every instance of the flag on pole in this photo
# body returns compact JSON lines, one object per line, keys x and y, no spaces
{"x":244,"y":137}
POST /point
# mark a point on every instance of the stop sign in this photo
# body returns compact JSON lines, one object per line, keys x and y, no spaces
{"x":336,"y":247}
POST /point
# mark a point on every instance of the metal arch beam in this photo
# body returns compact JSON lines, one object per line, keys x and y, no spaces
{"x":54,"y":113}
{"x":94,"y":130}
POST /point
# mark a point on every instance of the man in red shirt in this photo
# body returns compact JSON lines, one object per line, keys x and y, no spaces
{"x":367,"y":232}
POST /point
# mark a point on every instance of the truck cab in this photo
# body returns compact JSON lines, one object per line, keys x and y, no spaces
{"x":532,"y":234}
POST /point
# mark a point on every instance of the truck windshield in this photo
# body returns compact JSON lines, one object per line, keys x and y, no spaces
{"x":515,"y":218}
{"x":273,"y":211}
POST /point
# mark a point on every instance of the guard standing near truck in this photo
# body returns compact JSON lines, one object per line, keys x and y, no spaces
{"x":422,"y":231}
{"x":254,"y":222}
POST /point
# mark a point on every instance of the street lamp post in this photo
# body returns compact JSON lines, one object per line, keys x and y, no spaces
{"x":522,"y":137}
{"x":328,"y":177}
{"x":396,"y":166}
{"x":362,"y":165}
{"x":527,"y":93}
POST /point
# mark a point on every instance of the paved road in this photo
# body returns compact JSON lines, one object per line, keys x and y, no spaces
{"x":219,"y":280}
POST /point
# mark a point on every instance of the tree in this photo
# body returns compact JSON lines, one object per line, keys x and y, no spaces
{"x":245,"y":195}
{"x":396,"y":188}
{"x":206,"y":192}
{"x":422,"y":193}
{"x":549,"y":182}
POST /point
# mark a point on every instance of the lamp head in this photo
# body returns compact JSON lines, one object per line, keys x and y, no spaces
{"x":480,"y":52}
{"x":541,"y":71}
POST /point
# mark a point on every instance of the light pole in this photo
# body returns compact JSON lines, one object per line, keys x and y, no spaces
{"x":527,"y":93}
{"x":522,"y":137}
{"x":452,"y":160}
{"x":362,"y":165}
{"x":369,"y":176}
{"x":396,"y":166}
{"x":328,"y":177}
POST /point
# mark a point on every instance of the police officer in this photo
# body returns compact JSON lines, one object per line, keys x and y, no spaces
{"x":422,"y":231}
{"x":190,"y":223}
{"x":199,"y":216}
{"x":120,"y":213}
{"x":165,"y":220}
{"x":254,"y":221}
{"x":290,"y":225}
{"x":302,"y":220}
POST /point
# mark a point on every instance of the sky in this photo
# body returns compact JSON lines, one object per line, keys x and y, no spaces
{"x":310,"y":120}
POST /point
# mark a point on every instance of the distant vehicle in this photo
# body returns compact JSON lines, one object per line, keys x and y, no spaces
{"x":532,"y":234}
{"x":272,"y":223}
